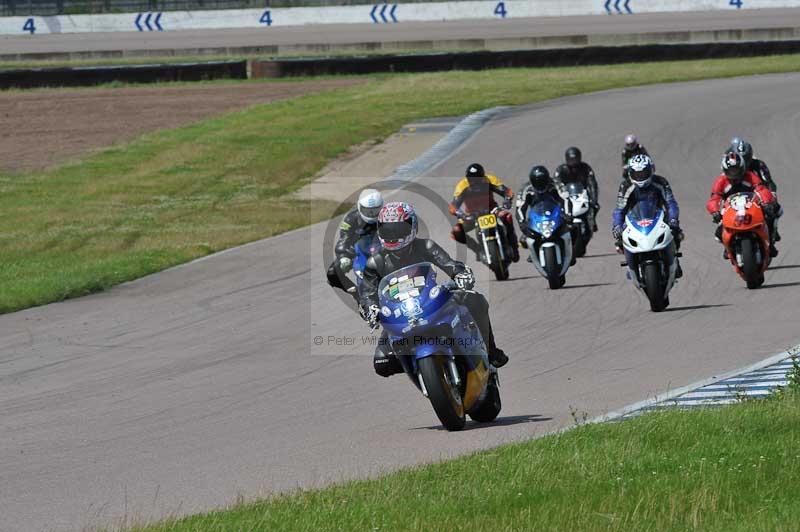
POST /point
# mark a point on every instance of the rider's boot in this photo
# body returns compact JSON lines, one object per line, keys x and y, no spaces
{"x":678,"y":270}
{"x":384,"y":361}
{"x":497,"y":356}
{"x":514,"y":250}
{"x":479,"y":308}
{"x":473,"y":246}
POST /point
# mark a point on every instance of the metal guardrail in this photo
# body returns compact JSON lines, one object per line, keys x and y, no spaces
{"x":81,"y":7}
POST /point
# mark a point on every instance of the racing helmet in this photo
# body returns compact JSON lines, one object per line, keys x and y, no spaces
{"x":733,"y":167}
{"x":572,"y":156}
{"x":640,"y":170}
{"x":475,"y":174}
{"x":744,"y":149}
{"x":370,"y":202}
{"x":539,"y":178}
{"x":397,"y":225}
{"x":631,"y":141}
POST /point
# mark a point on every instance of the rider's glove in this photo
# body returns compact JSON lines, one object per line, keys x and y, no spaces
{"x":466,"y":279}
{"x":677,"y":232}
{"x":616,"y":233}
{"x":716,"y":217}
{"x":345,"y":264}
{"x":370,"y":315}
{"x":769,"y":210}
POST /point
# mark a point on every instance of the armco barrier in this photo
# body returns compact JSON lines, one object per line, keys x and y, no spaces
{"x":378,"y":13}
{"x":591,"y":55}
{"x":520,"y":58}
{"x":71,"y":77}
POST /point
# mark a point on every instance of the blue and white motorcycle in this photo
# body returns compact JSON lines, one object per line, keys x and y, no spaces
{"x":551,"y":246}
{"x":651,"y":253}
{"x":439,"y":345}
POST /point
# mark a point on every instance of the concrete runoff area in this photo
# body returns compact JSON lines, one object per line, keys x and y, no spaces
{"x":181,"y":391}
{"x":506,"y":34}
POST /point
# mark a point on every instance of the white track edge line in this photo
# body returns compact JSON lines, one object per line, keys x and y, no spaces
{"x":769,"y":361}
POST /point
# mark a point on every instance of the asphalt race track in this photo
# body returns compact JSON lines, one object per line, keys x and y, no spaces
{"x":180,"y":391}
{"x":464,"y":30}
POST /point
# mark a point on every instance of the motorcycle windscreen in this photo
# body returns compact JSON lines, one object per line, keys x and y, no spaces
{"x":544,"y":217}
{"x":365,"y":247}
{"x":645,"y":215}
{"x":410,"y":295}
{"x":741,"y":201}
{"x":575,"y":188}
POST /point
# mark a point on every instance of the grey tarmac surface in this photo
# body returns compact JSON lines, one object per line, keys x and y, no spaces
{"x":183,"y":390}
{"x":337,"y":34}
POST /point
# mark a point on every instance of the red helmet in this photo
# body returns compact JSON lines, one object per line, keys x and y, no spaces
{"x":733,"y":167}
{"x":397,"y":225}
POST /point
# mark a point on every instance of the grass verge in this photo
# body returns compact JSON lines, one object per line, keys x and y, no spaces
{"x":729,"y":469}
{"x":172,"y":196}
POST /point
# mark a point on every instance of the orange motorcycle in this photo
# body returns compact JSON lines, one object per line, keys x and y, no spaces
{"x":746,"y":237}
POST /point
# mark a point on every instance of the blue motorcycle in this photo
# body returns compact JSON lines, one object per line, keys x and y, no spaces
{"x":365,"y":247}
{"x":551,"y":245}
{"x":439,"y":345}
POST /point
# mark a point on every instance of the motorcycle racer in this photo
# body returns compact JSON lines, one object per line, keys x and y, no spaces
{"x":760,"y":168}
{"x":734,"y":179}
{"x":640,"y":181}
{"x":397,"y":231}
{"x":574,"y":169}
{"x":540,"y":187}
{"x":361,"y":220}
{"x":632,"y":147}
{"x":473,"y":194}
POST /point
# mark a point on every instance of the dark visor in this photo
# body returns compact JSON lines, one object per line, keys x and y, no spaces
{"x":394,"y":230}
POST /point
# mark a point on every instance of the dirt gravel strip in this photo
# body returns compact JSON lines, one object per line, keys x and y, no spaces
{"x":42,"y":128}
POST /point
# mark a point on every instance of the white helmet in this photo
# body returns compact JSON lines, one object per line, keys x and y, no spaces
{"x":370,"y":202}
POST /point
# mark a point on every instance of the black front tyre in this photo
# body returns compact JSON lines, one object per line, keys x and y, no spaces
{"x":551,"y":266}
{"x":443,"y":395}
{"x":654,"y":287}
{"x":578,"y":244}
{"x":750,"y":268}
{"x":499,"y":268}
{"x":491,"y":405}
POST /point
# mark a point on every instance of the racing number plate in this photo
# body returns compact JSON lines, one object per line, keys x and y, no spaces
{"x":487,"y":221}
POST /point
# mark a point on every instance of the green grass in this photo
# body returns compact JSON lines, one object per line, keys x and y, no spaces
{"x":730,"y":469}
{"x":171,"y":196}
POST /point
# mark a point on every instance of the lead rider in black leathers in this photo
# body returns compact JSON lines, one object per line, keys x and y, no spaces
{"x":397,"y":229}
